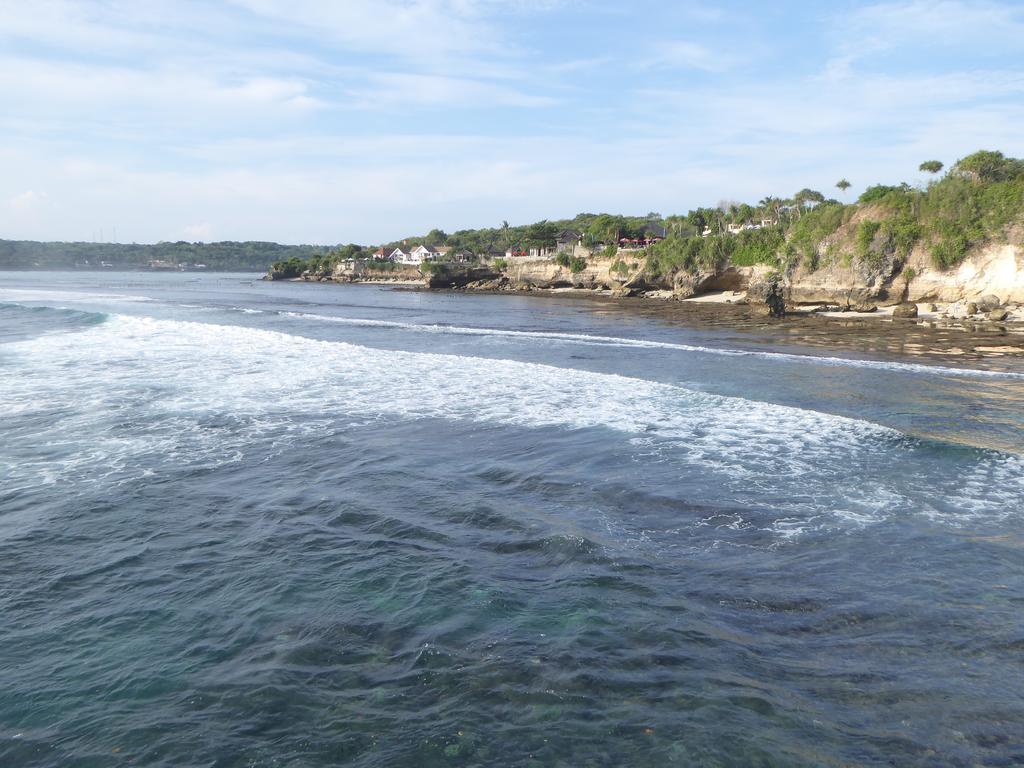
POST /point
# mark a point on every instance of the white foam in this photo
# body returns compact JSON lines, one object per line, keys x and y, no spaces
{"x":618,"y":341}
{"x":33,"y":294}
{"x":173,"y":378}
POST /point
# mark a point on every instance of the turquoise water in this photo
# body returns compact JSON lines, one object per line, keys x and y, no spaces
{"x":251,"y":524}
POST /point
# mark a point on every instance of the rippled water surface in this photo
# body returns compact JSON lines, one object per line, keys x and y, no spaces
{"x":251,"y":524}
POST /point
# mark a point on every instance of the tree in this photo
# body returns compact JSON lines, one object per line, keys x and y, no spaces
{"x":989,"y":166}
{"x":931,"y":166}
{"x":506,"y":234}
{"x":543,"y":234}
{"x":772,"y":206}
{"x":697,"y":220}
{"x":437,"y":237}
{"x":805,"y":196}
{"x":842,"y":185}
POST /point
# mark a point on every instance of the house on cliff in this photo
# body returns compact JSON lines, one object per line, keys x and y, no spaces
{"x":400,"y":255}
{"x":417,"y":255}
{"x":568,"y":240}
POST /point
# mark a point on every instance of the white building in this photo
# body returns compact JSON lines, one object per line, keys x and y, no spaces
{"x":419,"y":254}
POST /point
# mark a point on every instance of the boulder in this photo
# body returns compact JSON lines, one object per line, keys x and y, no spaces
{"x":863,"y":307}
{"x":989,"y":302}
{"x":962,"y":309}
{"x":998,"y":315}
{"x":905,"y":310}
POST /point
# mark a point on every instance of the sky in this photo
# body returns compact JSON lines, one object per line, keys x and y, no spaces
{"x":306,"y":121}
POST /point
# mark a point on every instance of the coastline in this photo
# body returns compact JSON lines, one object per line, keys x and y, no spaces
{"x":928,"y":338}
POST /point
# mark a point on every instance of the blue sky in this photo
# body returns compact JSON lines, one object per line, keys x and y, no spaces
{"x":368,"y":120}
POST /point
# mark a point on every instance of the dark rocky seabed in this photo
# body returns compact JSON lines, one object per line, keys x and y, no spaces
{"x":251,"y":524}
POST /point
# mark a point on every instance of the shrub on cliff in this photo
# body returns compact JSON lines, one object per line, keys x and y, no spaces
{"x":864,"y":239}
{"x":577,"y":264}
{"x":757,"y":246}
{"x":976,"y":201}
{"x":807,"y":234}
{"x":293,"y":267}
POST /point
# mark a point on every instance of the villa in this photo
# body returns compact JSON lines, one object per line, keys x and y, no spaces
{"x":414,"y":256}
{"x":568,"y":240}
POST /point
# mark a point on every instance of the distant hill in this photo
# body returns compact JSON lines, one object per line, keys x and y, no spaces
{"x":224,"y":256}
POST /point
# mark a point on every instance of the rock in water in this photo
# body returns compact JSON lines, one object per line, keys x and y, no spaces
{"x":863,"y":307}
{"x":905,"y":310}
{"x":961,"y":310}
{"x":998,"y":315}
{"x":989,"y":302}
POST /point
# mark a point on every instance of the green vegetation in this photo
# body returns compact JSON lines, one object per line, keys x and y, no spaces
{"x":291,"y":268}
{"x":908,"y":275}
{"x":326,"y":262}
{"x":759,"y":246}
{"x":577,"y":264}
{"x":224,"y":256}
{"x":807,"y":234}
{"x":974,"y":202}
{"x":865,"y":239}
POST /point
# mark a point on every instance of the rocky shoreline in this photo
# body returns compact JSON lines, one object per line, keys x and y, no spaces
{"x":982,"y":328}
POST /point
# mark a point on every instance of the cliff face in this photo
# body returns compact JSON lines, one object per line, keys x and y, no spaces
{"x":545,"y":273}
{"x":842,"y":277}
{"x":997,"y":269}
{"x":839,"y":276}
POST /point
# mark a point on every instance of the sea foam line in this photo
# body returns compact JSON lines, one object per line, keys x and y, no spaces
{"x":182,"y":378}
{"x":619,"y":341}
{"x":34,"y":294}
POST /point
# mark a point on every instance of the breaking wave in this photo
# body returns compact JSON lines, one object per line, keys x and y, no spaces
{"x":134,"y":393}
{"x":617,"y":341}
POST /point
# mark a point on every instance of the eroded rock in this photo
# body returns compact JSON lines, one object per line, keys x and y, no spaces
{"x":907,"y":309}
{"x":989,"y":302}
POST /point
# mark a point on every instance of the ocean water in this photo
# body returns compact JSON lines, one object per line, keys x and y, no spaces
{"x":252,"y":524}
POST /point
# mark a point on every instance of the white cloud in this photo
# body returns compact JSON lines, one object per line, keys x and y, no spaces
{"x":26,"y":201}
{"x":42,"y":87}
{"x":198,"y":232}
{"x":315,"y":121}
{"x":938,"y":24}
{"x":415,"y":29}
{"x":410,"y":90}
{"x":684,"y":54}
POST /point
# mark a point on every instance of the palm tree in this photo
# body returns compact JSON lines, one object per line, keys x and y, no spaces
{"x":843,"y":185}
